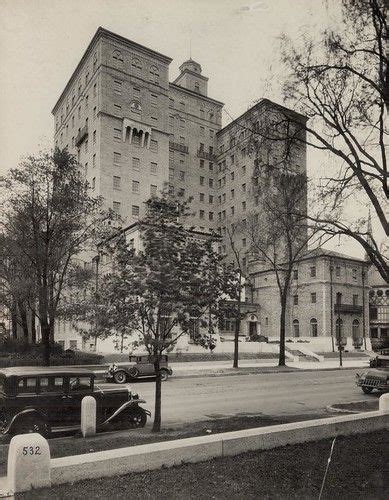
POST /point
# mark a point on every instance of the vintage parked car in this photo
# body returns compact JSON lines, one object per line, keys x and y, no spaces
{"x":377,"y":377}
{"x":138,"y":367}
{"x":48,"y":400}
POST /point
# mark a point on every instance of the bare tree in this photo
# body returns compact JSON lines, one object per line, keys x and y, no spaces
{"x":341,"y":84}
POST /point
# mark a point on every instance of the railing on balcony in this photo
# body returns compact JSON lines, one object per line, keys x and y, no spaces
{"x":81,"y":136}
{"x":206,"y":155}
{"x":347,"y":309}
{"x":178,"y":147}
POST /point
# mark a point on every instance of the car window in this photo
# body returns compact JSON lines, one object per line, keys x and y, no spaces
{"x":80,"y":383}
{"x":2,"y":385}
{"x":51,"y":384}
{"x":27,"y":385}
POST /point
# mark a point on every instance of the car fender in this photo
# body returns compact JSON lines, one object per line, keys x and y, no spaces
{"x":123,"y":407}
{"x":22,"y":414}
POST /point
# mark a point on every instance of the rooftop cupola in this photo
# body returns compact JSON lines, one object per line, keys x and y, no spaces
{"x":191,"y":78}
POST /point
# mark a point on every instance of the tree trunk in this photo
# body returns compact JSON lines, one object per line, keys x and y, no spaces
{"x":237,"y":326}
{"x":14,"y":321}
{"x":158,"y":398}
{"x":122,"y":343}
{"x":45,"y":329}
{"x":33,"y":327}
{"x":51,"y":336}
{"x":23,"y":320}
{"x":281,"y":358}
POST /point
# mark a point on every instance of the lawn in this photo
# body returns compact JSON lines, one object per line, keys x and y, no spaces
{"x":359,"y":470}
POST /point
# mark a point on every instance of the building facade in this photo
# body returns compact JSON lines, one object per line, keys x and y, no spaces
{"x":329,"y":295}
{"x":379,"y":309}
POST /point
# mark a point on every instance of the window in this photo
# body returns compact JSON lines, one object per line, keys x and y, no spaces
{"x":211,"y":133}
{"x":117,"y":87}
{"x":80,"y":383}
{"x":117,"y":158}
{"x":117,"y":133}
{"x":210,"y":166}
{"x":243,"y":188}
{"x":182,"y":175}
{"x":86,"y":102}
{"x":296,"y":328}
{"x":116,"y":182}
{"x":295,"y":274}
{"x":313,"y":298}
{"x":153,"y":167}
{"x":201,"y":214}
{"x":95,"y":90}
{"x":182,"y":139}
{"x":117,"y":57}
{"x":94,"y":113}
{"x":171,"y":189}
{"x":94,"y":137}
{"x":27,"y":385}
{"x":154,"y":100}
{"x":79,"y":112}
{"x":201,"y":163}
{"x":202,"y":129}
{"x":232,"y":176}
{"x":374,"y":333}
{"x":244,"y":241}
{"x":355,"y":300}
{"x":116,"y":208}
{"x":153,"y":190}
{"x":232,"y":210}
{"x":136,"y":164}
{"x":171,"y":103}
{"x":135,"y":210}
{"x":201,"y":181}
{"x":153,"y":145}
{"x":171,"y":174}
{"x":202,"y":197}
{"x":232,"y":159}
{"x":354,"y":272}
{"x":355,"y":331}
{"x":210,"y":199}
{"x":93,"y":182}
{"x":373,"y":312}
{"x":94,"y":160}
{"x":197,"y":87}
{"x":135,"y":63}
{"x":295,"y":300}
{"x":182,"y":106}
{"x":201,"y":148}
{"x":244,"y":170}
{"x":135,"y":186}
{"x":337,"y":271}
{"x":154,"y":73}
{"x":211,"y":183}
{"x":313,"y":324}
{"x":51,"y":384}
{"x":313,"y":272}
{"x":181,"y":192}
{"x":117,"y":109}
{"x":210,"y":215}
{"x":243,"y":205}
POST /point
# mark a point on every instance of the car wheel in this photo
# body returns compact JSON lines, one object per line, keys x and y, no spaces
{"x":133,"y":372}
{"x":367,"y":390}
{"x":164,"y":375}
{"x":120,"y":377}
{"x":137,"y":418}
{"x":28,"y":426}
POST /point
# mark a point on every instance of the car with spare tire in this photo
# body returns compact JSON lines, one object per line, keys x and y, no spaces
{"x":47,"y":400}
{"x":138,"y":366}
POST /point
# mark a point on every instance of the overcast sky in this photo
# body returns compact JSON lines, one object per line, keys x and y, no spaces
{"x":235,"y":41}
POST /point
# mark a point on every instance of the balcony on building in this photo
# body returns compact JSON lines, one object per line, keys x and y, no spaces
{"x":176,"y":146}
{"x":206,"y":155}
{"x":81,"y":136}
{"x":347,"y":309}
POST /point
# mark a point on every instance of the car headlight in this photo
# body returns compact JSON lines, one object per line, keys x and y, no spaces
{"x":363,"y":376}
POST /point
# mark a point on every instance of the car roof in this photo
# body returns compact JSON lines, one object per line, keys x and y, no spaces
{"x":24,"y":371}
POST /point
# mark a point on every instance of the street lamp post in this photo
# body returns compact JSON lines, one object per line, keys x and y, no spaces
{"x":339,"y":328}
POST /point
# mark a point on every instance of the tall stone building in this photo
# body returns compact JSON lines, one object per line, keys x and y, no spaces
{"x":135,"y":133}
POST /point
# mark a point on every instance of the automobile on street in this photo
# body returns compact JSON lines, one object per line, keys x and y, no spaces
{"x":138,"y":366}
{"x":377,"y":377}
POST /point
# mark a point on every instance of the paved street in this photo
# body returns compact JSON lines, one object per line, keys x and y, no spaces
{"x":296,"y":393}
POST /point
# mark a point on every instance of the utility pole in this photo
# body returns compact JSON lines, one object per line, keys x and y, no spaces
{"x":339,"y":328}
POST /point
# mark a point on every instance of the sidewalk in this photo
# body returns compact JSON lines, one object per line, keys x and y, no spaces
{"x":201,"y":368}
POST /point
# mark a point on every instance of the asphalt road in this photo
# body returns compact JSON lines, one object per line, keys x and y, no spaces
{"x":276,"y":394}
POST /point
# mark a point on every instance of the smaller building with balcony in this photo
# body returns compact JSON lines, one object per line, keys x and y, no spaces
{"x":328,"y":301}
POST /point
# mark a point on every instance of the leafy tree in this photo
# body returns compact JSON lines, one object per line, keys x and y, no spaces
{"x":175,"y":278}
{"x":49,"y":218}
{"x":340,"y":82}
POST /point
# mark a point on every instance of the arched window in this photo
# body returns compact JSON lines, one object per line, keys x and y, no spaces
{"x":339,"y":328}
{"x":197,"y":87}
{"x":135,"y":63}
{"x":296,"y":328}
{"x":117,"y":57}
{"x":154,"y":73}
{"x":313,"y":324}
{"x":211,"y":115}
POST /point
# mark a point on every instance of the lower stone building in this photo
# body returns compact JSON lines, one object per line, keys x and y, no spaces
{"x":378,"y":309}
{"x":329,"y":296}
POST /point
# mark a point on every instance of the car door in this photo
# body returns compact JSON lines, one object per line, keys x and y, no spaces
{"x":78,"y":388}
{"x":51,"y":398}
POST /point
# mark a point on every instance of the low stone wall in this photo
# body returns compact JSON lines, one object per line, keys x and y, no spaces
{"x":29,"y":464}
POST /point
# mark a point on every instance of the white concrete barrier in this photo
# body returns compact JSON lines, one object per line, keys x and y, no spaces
{"x":88,"y":416}
{"x":28,"y":463}
{"x":384,"y":403}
